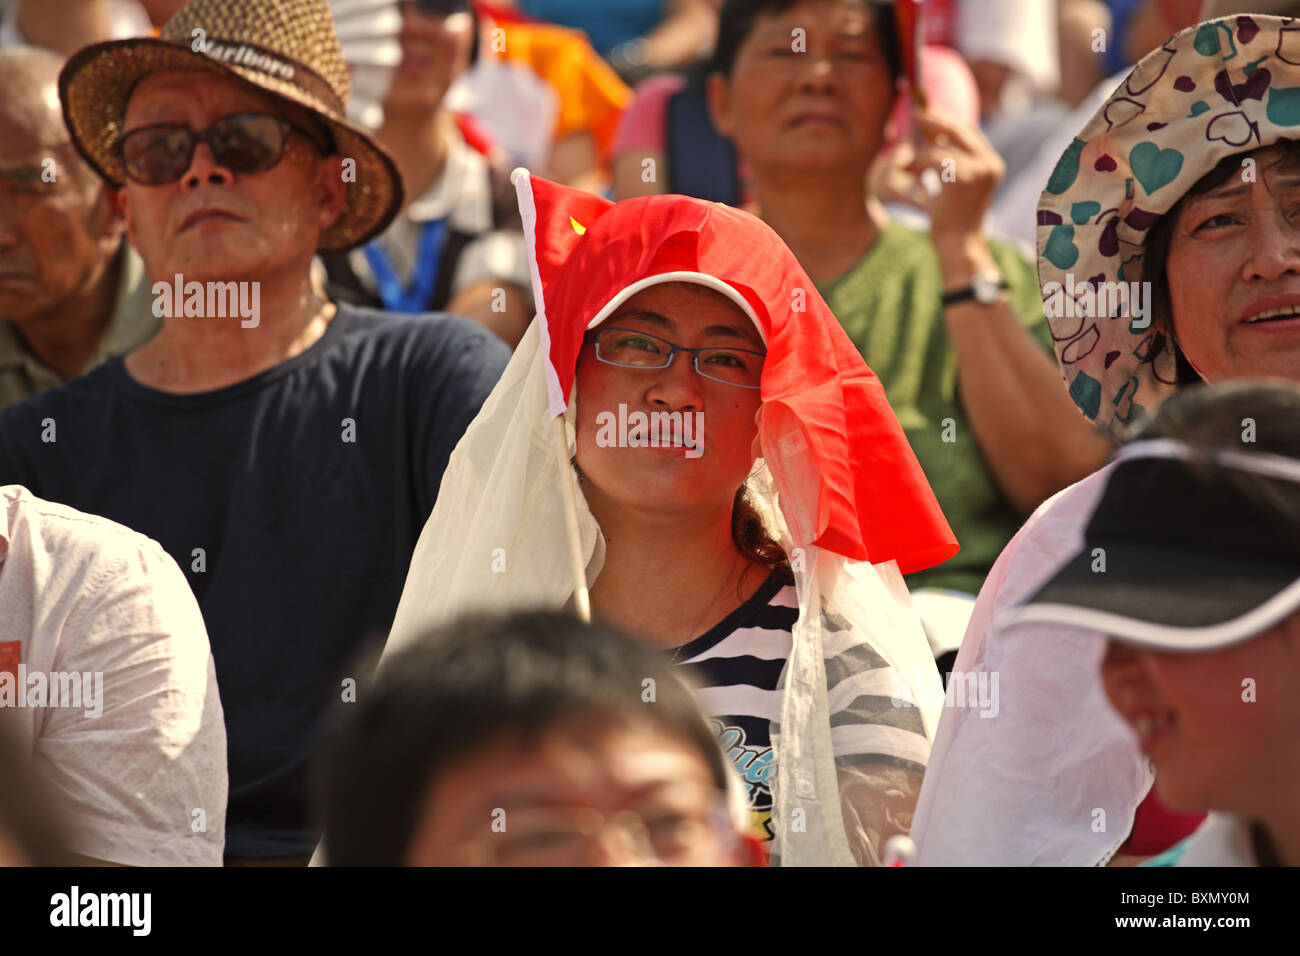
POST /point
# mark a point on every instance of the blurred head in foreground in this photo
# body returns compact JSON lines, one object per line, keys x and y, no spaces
{"x":29,"y":834}
{"x":532,"y":740}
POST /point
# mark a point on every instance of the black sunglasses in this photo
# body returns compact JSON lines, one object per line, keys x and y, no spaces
{"x":243,"y":143}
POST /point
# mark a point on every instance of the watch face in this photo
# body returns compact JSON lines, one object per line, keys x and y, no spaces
{"x":986,"y":287}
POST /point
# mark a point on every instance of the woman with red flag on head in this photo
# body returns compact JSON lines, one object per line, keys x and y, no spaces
{"x":759,"y":533}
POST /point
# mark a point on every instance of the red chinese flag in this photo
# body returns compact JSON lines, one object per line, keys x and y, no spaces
{"x":911,"y":36}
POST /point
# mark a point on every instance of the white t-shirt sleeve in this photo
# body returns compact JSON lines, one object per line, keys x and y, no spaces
{"x":144,"y":782}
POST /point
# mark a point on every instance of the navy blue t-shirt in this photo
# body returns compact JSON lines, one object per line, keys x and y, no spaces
{"x":292,"y":501}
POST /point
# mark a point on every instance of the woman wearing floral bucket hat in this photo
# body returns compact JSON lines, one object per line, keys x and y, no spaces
{"x":1169,"y":253}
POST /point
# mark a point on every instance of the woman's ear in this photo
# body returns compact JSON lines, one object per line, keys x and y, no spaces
{"x":718,"y":91}
{"x":1185,"y":373}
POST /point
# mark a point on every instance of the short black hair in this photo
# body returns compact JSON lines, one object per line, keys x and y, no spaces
{"x":462,"y":685}
{"x":736,"y":23}
{"x":1214,"y":418}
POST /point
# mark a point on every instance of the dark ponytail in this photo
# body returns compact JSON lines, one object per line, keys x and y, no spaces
{"x":750,"y":536}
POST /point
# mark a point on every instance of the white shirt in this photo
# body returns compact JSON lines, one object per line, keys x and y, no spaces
{"x":1055,"y":777}
{"x":109,"y":614}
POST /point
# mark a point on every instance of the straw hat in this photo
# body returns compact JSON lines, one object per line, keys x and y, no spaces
{"x":285,"y":47}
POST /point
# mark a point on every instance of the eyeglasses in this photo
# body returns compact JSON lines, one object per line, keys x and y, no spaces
{"x":243,"y":143}
{"x":629,"y":348}
{"x":562,"y":836}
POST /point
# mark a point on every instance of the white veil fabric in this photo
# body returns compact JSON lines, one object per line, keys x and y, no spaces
{"x":496,"y":542}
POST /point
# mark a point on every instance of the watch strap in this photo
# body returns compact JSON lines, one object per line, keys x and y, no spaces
{"x":968,"y":292}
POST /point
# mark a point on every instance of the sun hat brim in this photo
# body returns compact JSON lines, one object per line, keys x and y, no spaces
{"x":96,"y":84}
{"x":1165,"y":598}
{"x":1178,"y":554}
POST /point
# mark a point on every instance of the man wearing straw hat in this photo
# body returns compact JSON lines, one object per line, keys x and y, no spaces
{"x":285,"y":450}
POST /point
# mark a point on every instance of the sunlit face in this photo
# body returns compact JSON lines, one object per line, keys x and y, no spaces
{"x":587,"y":793}
{"x":667,"y":481}
{"x":213,"y":224}
{"x":58,"y":229}
{"x":810,"y":89}
{"x":1213,"y":746}
{"x":435,"y":50}
{"x":1234,"y":256}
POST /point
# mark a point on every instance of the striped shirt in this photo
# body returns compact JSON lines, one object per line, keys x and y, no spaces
{"x":738,"y":665}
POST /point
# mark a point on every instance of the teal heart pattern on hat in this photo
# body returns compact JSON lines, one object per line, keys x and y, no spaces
{"x":1220,"y":88}
{"x":1060,"y":250}
{"x":1067,"y":169}
{"x":1284,"y":106}
{"x":1154,"y":167}
{"x":1081,"y":212}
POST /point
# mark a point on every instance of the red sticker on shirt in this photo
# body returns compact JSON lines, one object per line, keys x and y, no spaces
{"x":11,"y":652}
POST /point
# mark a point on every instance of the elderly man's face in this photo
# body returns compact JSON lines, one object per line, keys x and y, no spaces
{"x":214,"y":224}
{"x":56,"y":238}
{"x":1234,"y":273}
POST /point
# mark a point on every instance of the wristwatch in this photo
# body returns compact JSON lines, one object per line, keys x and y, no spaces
{"x":984,"y":288}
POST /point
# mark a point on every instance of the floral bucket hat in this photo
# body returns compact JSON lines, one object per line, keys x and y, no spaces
{"x":1216,"y":89}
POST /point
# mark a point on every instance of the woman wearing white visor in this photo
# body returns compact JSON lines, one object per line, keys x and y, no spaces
{"x":1200,"y":598}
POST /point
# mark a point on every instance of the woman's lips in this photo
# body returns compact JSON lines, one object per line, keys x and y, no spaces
{"x":816,"y":119}
{"x":662,"y":445}
{"x":1280,"y":326}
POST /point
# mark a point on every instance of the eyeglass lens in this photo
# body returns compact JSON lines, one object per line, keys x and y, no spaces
{"x":243,"y":144}
{"x":642,"y":350}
